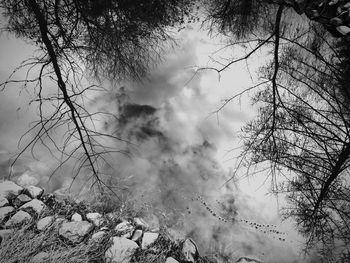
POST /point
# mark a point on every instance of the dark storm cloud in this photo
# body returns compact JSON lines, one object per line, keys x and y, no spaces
{"x":136,"y":111}
{"x":170,"y":76}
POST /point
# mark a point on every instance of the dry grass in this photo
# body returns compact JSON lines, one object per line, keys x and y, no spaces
{"x":161,"y":250}
{"x":26,"y":242}
{"x":158,"y":252}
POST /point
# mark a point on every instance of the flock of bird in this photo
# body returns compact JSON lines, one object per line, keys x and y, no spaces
{"x":269,"y":229}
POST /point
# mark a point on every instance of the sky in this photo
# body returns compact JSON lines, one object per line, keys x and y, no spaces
{"x":183,"y":152}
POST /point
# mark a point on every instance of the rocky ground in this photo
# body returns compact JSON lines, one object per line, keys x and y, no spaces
{"x":38,"y":227}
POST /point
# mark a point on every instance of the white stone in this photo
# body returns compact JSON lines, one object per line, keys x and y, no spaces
{"x":41,"y":257}
{"x":95,"y":218}
{"x":76,"y":217}
{"x":75,"y":231}
{"x":249,"y":259}
{"x":5,"y":211}
{"x":3,"y":201}
{"x":171,"y":260}
{"x":127,"y":235}
{"x":140,"y":223}
{"x":21,"y":199}
{"x":189,"y":250}
{"x":5,"y":233}
{"x":121,"y":251}
{"x":36,"y":205}
{"x":314,"y":14}
{"x":34,"y":191}
{"x":148,"y":239}
{"x":336,"y":21}
{"x":59,"y":221}
{"x":10,"y":190}
{"x":98,"y":235}
{"x":137,"y":235}
{"x":344,"y":30}
{"x":19,"y":218}
{"x":45,"y":222}
{"x":124,"y":228}
{"x":149,"y":222}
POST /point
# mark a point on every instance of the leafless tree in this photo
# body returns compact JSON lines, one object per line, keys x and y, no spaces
{"x":309,"y":147}
{"x":301,"y":132}
{"x":76,"y":38}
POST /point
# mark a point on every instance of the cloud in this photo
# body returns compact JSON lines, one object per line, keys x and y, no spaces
{"x":173,"y":168}
{"x":168,"y":78}
{"x":176,"y":145}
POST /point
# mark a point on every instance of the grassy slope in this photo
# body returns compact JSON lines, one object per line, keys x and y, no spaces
{"x":26,"y":241}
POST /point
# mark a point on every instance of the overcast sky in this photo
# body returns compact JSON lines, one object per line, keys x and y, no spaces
{"x":184,"y":106}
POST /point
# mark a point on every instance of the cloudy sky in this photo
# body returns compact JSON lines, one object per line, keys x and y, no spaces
{"x":184,"y":151}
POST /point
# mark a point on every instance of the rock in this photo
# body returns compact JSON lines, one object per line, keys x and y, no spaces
{"x":152,"y":223}
{"x":149,"y":222}
{"x":124,"y":228}
{"x":41,"y":257}
{"x":344,"y":30}
{"x":3,"y":201}
{"x":19,"y":218}
{"x":21,"y":199}
{"x":339,"y":11}
{"x":75,"y":232}
{"x":10,"y":190}
{"x":313,"y":14}
{"x":34,"y":191}
{"x":5,"y":234}
{"x":95,"y":218}
{"x":35,"y":205}
{"x":76,"y":217}
{"x":98,"y":235}
{"x":121,"y":250}
{"x":189,"y":250}
{"x":137,"y":235}
{"x":248,"y":260}
{"x":289,"y":2}
{"x":148,"y":239}
{"x":59,"y":221}
{"x":45,"y":222}
{"x":333,"y":2}
{"x":336,"y":21}
{"x":171,"y":260}
{"x":140,"y":223}
{"x":5,"y":212}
